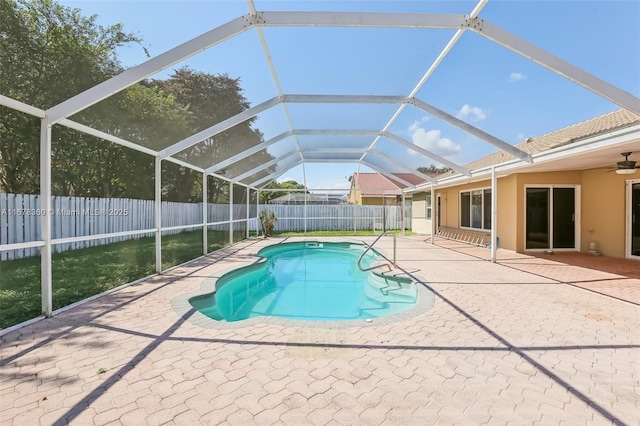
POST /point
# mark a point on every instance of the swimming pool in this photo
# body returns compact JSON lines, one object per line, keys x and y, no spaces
{"x":317,"y":281}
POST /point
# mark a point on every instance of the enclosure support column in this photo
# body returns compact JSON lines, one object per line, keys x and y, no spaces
{"x":158,"y":208}
{"x":494,"y":214}
{"x":258,"y":211}
{"x":354,"y":206}
{"x":230,"y":213}
{"x":205,"y":214}
{"x":403,"y":212}
{"x":45,"y":224}
{"x":305,"y":213}
{"x":433,"y":214}
{"x":246,"y":224}
{"x":384,"y":214}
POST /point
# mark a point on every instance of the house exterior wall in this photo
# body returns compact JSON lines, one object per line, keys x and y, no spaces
{"x":507,"y":229}
{"x":355,"y":196}
{"x":419,"y":222}
{"x":601,"y":211}
{"x":389,"y":200}
{"x":604,"y":211}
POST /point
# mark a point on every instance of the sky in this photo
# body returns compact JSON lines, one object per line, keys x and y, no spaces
{"x":479,"y":81}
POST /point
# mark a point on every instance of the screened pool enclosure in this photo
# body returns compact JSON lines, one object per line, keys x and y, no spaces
{"x":104,"y":183}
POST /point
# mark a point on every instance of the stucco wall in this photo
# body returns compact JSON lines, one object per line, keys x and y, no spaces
{"x":603,"y":211}
{"x":507,"y":229}
{"x":355,"y":196}
{"x":419,"y":222}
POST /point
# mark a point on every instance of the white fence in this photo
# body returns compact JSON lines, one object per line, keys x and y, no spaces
{"x":79,"y":217}
{"x":341,"y":217}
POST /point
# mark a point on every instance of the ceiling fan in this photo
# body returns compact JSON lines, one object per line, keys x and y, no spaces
{"x":625,"y":167}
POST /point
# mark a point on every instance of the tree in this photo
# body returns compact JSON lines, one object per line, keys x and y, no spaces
{"x":48,"y":53}
{"x":87,"y":166}
{"x":210,"y":99}
{"x":265,"y":196}
{"x":433,"y":169}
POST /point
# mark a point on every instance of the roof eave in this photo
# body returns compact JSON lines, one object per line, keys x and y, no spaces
{"x":605,"y":139}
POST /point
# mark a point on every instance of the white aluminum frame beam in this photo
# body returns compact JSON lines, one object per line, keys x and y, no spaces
{"x":494,"y":214}
{"x":557,"y":65}
{"x":474,"y":13}
{"x":427,"y":153}
{"x":276,"y":80}
{"x":275,"y":175}
{"x":205,"y":214}
{"x":401,"y":166}
{"x":359,"y":19}
{"x":333,"y":151}
{"x":22,"y":107}
{"x":247,"y":152}
{"x":157,"y":183}
{"x":106,"y":136}
{"x":334,"y":132}
{"x":332,"y":160}
{"x":481,"y":134}
{"x":219,"y":127}
{"x":148,"y":68}
{"x":46,"y":224}
{"x":344,"y":99}
{"x":256,"y":169}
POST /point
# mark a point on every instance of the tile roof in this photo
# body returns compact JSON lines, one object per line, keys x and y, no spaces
{"x":604,"y":123}
{"x":377,"y":184}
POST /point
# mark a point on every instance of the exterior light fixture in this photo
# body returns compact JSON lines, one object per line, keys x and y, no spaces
{"x":625,"y":171}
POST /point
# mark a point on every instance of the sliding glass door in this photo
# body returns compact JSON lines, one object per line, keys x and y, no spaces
{"x":550,"y":221}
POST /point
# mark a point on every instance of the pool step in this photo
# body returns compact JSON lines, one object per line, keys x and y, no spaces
{"x":391,"y":289}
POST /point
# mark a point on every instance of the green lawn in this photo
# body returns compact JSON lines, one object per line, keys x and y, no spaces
{"x":78,"y":274}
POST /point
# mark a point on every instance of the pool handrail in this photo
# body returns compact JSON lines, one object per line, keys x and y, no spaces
{"x":371,"y":246}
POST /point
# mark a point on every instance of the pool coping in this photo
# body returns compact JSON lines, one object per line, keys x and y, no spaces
{"x":180,"y":304}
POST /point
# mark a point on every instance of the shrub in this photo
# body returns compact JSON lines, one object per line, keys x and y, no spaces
{"x":268,"y":222}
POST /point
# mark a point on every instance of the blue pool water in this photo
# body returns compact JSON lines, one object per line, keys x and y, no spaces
{"x":308,"y":281}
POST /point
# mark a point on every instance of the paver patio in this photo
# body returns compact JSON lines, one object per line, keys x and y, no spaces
{"x":504,"y":343}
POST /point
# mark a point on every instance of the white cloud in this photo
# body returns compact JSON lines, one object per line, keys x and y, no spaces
{"x":520,"y":136}
{"x":417,"y":124}
{"x":517,"y":76}
{"x":474,"y":113}
{"x":433,"y":141}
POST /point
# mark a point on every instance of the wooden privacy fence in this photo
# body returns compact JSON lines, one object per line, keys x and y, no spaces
{"x":20,"y":216}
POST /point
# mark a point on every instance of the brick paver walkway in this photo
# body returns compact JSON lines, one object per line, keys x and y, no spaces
{"x":503,"y":343}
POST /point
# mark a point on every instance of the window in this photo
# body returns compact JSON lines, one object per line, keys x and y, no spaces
{"x":475,"y":209}
{"x":428,"y":206}
{"x":465,"y":208}
{"x":486,"y":221}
